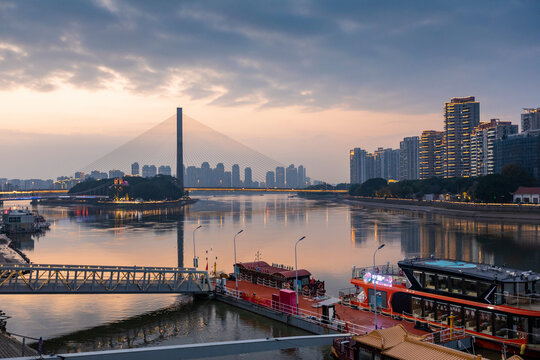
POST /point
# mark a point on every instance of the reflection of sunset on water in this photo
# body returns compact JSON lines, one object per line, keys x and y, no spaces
{"x":338,"y":236}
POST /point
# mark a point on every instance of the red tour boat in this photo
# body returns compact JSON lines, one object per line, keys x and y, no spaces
{"x":499,"y":306}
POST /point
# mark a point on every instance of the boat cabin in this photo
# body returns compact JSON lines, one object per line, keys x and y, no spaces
{"x":18,"y":221}
{"x":279,"y":276}
{"x":471,"y":281}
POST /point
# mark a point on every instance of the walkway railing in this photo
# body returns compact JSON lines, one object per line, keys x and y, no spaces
{"x":524,"y":301}
{"x":94,"y":279}
{"x":392,"y":270}
{"x":303,"y":314}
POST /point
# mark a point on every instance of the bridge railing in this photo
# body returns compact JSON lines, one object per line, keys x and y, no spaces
{"x":38,"y":278}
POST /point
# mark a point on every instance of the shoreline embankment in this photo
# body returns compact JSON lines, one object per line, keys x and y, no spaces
{"x":514,"y":212}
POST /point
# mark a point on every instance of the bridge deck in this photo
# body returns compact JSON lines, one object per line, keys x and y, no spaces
{"x":96,"y":279}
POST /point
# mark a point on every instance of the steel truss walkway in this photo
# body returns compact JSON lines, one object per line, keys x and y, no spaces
{"x":91,"y":279}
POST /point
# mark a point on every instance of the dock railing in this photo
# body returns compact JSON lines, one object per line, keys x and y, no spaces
{"x":446,"y":335}
{"x":303,"y":314}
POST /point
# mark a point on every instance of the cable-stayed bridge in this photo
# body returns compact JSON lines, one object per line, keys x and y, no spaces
{"x":158,"y":146}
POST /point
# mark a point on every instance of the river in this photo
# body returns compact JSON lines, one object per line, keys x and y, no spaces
{"x":338,"y":236}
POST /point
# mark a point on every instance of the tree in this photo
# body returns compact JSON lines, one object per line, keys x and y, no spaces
{"x":493,"y":188}
{"x":370,"y":187}
{"x":518,"y":176}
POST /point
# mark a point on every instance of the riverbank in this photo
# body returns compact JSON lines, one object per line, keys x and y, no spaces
{"x":526,"y":212}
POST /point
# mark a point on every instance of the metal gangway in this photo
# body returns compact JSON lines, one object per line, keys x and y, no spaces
{"x":97,"y":279}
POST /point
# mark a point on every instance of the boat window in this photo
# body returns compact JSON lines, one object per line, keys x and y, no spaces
{"x":501,"y":325}
{"x":469,"y":287}
{"x":442,"y":312}
{"x":521,"y":326}
{"x":431,"y":279}
{"x":485,"y":322}
{"x":535,"y":338}
{"x":382,"y":300}
{"x":418,"y":276}
{"x":509,"y":288}
{"x":455,"y":311}
{"x":470,"y":319}
{"x":520,"y":288}
{"x":429,"y":310}
{"x":442,"y":281}
{"x":417,"y":307}
{"x":483,"y":287}
{"x":455,"y":284}
{"x":364,"y":354}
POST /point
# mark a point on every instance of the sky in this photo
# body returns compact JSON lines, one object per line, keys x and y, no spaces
{"x":299,"y":81}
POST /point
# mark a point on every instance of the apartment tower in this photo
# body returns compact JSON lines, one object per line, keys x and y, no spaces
{"x":461,"y":116}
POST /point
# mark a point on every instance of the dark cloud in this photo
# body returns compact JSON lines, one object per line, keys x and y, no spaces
{"x":401,"y":56}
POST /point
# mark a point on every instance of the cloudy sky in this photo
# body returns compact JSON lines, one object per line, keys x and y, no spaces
{"x":300,"y":81}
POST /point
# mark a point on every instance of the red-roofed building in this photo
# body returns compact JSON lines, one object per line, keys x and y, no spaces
{"x":527,"y":195}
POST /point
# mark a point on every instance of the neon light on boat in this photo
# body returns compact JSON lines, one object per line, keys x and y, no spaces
{"x":378,"y":279}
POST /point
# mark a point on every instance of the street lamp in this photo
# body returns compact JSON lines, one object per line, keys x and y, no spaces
{"x":235,"y":272}
{"x":375,"y":283}
{"x":195,"y":262}
{"x":296,"y":266}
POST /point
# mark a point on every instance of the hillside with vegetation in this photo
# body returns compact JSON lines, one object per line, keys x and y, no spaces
{"x":156,"y":188}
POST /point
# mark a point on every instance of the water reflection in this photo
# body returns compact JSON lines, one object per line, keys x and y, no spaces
{"x":425,"y":234}
{"x":338,"y":236}
{"x":184,"y":322}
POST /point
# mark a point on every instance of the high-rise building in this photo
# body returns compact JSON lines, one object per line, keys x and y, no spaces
{"x":387,"y":163}
{"x":358,"y":166}
{"x":80,"y":175}
{"x":164,"y":170}
{"x":270,"y":182}
{"x":291,"y":175}
{"x":218,"y":175}
{"x":482,"y":144}
{"x":116,"y":174}
{"x":521,"y":149}
{"x":530,"y":120}
{"x":205,"y":175}
{"x":149,"y":171}
{"x":236,"y":176}
{"x":280,"y":177}
{"x":301,"y":183}
{"x":408,"y":162}
{"x":135,"y":169}
{"x":461,"y":116}
{"x":227,"y":179}
{"x":248,"y":180}
{"x":430,"y":154}
{"x":192,"y":177}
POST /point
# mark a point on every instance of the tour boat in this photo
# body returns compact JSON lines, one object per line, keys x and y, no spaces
{"x":499,"y":306}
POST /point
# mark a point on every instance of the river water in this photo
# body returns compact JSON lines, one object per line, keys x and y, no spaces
{"x":338,"y":236}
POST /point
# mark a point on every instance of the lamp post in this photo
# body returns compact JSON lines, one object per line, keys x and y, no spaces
{"x":235,"y":272}
{"x":296,"y":266}
{"x":375,"y":283}
{"x":195,"y":262}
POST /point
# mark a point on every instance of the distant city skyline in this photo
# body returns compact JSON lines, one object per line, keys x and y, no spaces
{"x":313,"y":80}
{"x":467,"y":147}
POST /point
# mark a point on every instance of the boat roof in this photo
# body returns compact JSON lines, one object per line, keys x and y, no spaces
{"x":264,"y":267}
{"x":470,"y":269}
